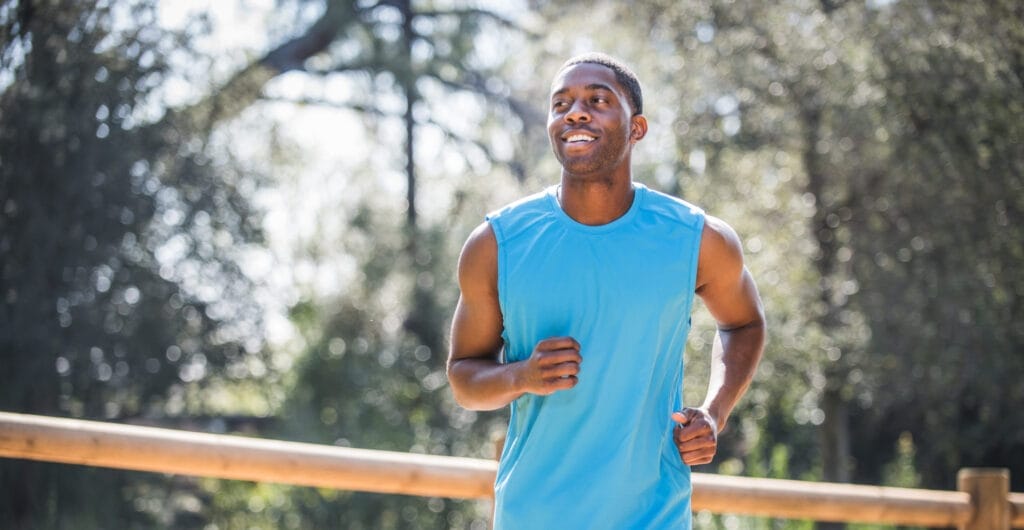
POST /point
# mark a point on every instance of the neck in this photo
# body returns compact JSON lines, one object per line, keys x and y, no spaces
{"x":595,"y":202}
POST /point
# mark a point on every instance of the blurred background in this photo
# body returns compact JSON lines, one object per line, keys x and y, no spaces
{"x":243,"y":217}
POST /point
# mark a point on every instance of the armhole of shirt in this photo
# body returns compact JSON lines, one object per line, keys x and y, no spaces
{"x":499,"y":237}
{"x":695,"y":263}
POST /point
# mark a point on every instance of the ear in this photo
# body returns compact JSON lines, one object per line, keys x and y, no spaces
{"x":638,"y":128}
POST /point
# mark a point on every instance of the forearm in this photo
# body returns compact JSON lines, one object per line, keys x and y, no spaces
{"x":734,"y":359}
{"x":483,"y":384}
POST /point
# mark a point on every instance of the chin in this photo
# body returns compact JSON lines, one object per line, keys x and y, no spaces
{"x":580,"y":173}
{"x":579,"y":164}
{"x":585,"y":168}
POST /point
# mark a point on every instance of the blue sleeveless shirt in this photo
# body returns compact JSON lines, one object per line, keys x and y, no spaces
{"x":600,"y":455}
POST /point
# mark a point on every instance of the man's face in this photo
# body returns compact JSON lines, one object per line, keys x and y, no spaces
{"x":589,"y":119}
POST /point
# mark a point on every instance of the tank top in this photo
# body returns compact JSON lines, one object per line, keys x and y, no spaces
{"x":599,"y":455}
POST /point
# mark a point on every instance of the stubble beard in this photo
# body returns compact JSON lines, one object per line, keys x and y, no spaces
{"x":593,"y":166}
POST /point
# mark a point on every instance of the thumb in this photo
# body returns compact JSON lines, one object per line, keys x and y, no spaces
{"x":680,"y":418}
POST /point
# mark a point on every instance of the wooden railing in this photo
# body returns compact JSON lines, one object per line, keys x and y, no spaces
{"x":983,"y":501}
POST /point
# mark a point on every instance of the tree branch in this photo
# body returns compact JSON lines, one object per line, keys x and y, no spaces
{"x":247,"y":85}
{"x":517,"y":169}
{"x":526,"y":112}
{"x":476,"y":12}
{"x":293,"y":54}
{"x":312,"y":102}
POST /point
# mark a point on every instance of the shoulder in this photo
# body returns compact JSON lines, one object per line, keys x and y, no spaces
{"x":514,"y":218}
{"x":672,"y":208}
{"x":526,"y":206}
{"x":718,"y":235}
{"x":478,"y":262}
{"x":481,"y":245}
{"x":721,"y":253}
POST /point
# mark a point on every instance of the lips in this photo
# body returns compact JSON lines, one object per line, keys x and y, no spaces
{"x":577,"y":136}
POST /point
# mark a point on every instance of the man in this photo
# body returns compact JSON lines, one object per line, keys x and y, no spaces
{"x":574,"y":309}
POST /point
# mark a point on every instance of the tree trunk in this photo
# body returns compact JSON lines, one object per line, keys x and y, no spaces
{"x":835,"y":437}
{"x":411,"y":97}
{"x":834,"y":431}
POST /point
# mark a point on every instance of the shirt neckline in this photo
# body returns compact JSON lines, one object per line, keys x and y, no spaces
{"x":639,"y":192}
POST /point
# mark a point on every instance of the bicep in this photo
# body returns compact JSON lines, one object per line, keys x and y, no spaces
{"x":724,"y":284}
{"x":477,"y":322}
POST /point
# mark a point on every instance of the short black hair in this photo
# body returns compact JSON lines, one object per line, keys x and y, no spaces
{"x":623,"y":75}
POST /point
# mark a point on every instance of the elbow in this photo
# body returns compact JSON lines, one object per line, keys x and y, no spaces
{"x":461,"y":399}
{"x":474,"y":406}
{"x":754,"y":326}
{"x":469,"y":390}
{"x":761,"y":325}
{"x":469,"y":402}
{"x":758,"y":329}
{"x":747,"y":339}
{"x":457,"y":382}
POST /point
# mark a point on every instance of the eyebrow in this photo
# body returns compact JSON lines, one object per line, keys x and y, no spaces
{"x":592,"y":86}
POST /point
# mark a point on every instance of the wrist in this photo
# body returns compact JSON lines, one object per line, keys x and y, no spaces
{"x":718,"y":414}
{"x":515,"y":380}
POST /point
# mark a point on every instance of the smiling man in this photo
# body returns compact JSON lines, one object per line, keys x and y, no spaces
{"x":574,"y":308}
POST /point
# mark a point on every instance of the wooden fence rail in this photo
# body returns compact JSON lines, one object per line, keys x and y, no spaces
{"x":983,"y":503}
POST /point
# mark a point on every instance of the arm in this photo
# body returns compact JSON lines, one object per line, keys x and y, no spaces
{"x":479,"y":380}
{"x":730,"y":294}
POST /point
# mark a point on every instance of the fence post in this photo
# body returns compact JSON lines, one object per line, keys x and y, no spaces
{"x":989,"y":489}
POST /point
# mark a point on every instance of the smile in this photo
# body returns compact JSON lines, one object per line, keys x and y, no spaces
{"x":579,"y":138}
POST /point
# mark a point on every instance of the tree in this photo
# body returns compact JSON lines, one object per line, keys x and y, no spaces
{"x":941,"y":236}
{"x":161,"y":226}
{"x":891,"y":129}
{"x":393,"y":47}
{"x":116,"y":253}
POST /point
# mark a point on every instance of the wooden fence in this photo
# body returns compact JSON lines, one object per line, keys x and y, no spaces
{"x":982,"y":502}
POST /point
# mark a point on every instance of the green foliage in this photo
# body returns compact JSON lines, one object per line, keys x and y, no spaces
{"x":868,"y":153}
{"x":116,"y":238}
{"x":950,"y":367}
{"x":372,"y":370}
{"x":373,"y":376}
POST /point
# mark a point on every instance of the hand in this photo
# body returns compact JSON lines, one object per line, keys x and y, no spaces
{"x":696,"y":436}
{"x":552,"y":366}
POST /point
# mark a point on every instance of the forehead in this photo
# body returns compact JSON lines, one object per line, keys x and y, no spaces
{"x":583,"y":75}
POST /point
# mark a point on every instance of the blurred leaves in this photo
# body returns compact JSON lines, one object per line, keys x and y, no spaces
{"x":869,"y":154}
{"x":118,"y":239}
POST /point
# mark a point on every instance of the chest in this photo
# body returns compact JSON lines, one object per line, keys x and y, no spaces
{"x":562,"y":280}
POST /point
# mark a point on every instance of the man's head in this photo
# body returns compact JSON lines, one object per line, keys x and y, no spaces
{"x":595,"y":116}
{"x":623,"y":74}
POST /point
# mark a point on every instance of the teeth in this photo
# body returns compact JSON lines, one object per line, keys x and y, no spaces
{"x":579,"y":138}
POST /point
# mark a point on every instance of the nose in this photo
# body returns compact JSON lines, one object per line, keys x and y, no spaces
{"x":577,"y":113}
